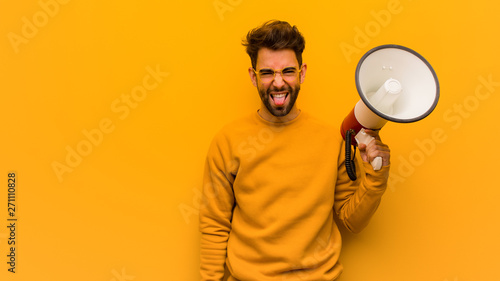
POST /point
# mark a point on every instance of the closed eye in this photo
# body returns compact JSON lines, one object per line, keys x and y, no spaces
{"x":266,"y":72}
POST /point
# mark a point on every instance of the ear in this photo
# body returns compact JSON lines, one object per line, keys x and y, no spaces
{"x":303,"y":73}
{"x":253,"y":77}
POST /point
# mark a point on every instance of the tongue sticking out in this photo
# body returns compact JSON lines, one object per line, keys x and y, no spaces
{"x":279,"y":100}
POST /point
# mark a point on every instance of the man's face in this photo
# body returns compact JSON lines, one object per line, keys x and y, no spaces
{"x":278,"y":95}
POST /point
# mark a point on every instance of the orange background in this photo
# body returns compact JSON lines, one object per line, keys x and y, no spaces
{"x":127,"y":208}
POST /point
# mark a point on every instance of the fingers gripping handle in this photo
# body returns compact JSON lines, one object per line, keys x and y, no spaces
{"x":363,"y":137}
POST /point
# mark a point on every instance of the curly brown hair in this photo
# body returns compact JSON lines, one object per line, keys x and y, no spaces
{"x":275,"y":35}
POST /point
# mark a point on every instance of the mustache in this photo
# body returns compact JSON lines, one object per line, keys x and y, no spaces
{"x":285,"y":88}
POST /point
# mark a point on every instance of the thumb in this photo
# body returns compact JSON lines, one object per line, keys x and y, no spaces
{"x":362,"y":147}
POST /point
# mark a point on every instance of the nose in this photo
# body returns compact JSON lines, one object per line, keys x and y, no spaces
{"x":278,"y":81}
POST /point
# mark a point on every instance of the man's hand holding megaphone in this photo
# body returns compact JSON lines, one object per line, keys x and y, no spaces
{"x":376,"y":148}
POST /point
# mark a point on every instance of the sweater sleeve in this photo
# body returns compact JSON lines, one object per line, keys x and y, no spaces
{"x":216,"y":211}
{"x":356,"y":201}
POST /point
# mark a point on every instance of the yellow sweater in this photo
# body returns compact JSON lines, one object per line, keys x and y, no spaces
{"x":269,"y":196}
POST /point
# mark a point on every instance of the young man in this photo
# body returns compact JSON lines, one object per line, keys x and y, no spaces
{"x":275,"y":180}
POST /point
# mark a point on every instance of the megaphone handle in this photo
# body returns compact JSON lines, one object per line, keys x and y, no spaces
{"x":377,"y":163}
{"x":363,"y":137}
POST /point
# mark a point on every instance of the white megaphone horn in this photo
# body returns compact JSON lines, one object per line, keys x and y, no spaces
{"x":395,"y":84}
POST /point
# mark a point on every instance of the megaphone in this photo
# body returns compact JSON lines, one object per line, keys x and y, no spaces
{"x":395,"y":84}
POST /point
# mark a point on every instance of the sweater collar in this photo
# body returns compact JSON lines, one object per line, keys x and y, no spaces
{"x":279,"y":124}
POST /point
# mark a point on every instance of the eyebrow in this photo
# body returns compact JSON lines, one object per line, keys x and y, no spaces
{"x":270,"y":69}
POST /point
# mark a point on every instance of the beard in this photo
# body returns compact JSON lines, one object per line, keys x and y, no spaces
{"x":279,"y":111}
